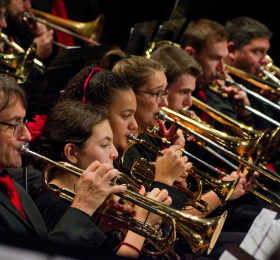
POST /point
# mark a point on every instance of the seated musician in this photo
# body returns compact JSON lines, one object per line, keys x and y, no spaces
{"x":20,"y":218}
{"x":79,"y":134}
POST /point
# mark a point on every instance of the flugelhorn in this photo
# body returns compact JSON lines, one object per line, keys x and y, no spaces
{"x":200,"y":233}
{"x":89,"y":32}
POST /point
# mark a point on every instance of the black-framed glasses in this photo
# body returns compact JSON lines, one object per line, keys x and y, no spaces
{"x":160,"y":95}
{"x":17,"y":126}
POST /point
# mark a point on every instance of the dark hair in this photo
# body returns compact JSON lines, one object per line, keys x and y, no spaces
{"x":4,"y":3}
{"x":68,"y":122}
{"x":137,"y":70}
{"x":101,"y":89}
{"x":176,"y":62}
{"x":8,"y":89}
{"x":198,"y":32}
{"x":242,"y":30}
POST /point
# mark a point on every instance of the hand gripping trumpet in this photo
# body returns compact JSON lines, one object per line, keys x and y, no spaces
{"x":223,"y":189}
{"x":201,"y":234}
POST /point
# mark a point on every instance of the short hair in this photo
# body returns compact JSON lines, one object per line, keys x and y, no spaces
{"x":4,"y":3}
{"x":137,"y":70}
{"x":68,"y":121}
{"x":242,"y":30}
{"x":176,"y":62}
{"x":8,"y":90}
{"x":198,"y":32}
{"x":101,"y":89}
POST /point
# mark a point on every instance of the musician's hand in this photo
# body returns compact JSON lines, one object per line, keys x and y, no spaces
{"x":38,"y":29}
{"x":175,"y":136}
{"x":193,"y":114}
{"x":157,"y":195}
{"x":239,"y":190}
{"x":114,"y":205}
{"x":94,"y":186}
{"x":251,"y":182}
{"x":44,"y":44}
{"x":172,"y":166}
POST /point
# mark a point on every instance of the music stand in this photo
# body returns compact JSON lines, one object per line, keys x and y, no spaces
{"x":171,"y":30}
{"x":140,"y":37}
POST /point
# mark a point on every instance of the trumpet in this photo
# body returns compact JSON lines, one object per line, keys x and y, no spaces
{"x":223,"y":189}
{"x":89,"y":32}
{"x":200,"y":233}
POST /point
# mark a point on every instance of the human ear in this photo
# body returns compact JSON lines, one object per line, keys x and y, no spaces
{"x":190,"y":50}
{"x":70,"y":152}
{"x":231,"y":50}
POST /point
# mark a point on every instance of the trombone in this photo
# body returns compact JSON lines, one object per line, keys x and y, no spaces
{"x":188,"y":129}
{"x":200,"y":233}
{"x":270,"y":71}
{"x":89,"y":32}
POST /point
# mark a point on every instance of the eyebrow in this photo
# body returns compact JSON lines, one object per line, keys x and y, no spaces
{"x":17,"y":118}
{"x":128,"y":110}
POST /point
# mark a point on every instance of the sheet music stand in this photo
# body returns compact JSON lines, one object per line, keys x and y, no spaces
{"x":140,"y":37}
{"x":171,"y":30}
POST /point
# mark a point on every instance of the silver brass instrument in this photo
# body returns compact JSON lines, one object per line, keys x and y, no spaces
{"x":89,"y":32}
{"x":200,"y":233}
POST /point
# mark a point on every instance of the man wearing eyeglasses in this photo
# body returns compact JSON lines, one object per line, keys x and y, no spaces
{"x":20,"y":220}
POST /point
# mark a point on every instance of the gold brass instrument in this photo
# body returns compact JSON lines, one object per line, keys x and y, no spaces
{"x":89,"y":32}
{"x":200,"y":233}
{"x":202,"y":140}
{"x":270,"y":71}
{"x":154,"y":45}
{"x":233,"y":147}
{"x":20,"y":64}
{"x":223,"y":189}
{"x":19,"y":50}
{"x":238,"y":127}
{"x":255,"y":80}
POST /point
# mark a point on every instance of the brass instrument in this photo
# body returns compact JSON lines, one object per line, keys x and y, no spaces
{"x":89,"y":32}
{"x":20,"y":64}
{"x":270,"y":71}
{"x":238,"y":127}
{"x":19,"y":50}
{"x":231,"y":146}
{"x":255,"y":80}
{"x":154,"y":45}
{"x":223,"y":189}
{"x":188,"y":129}
{"x":200,"y":233}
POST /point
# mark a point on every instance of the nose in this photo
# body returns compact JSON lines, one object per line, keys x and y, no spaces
{"x":163,"y":103}
{"x":3,"y":23}
{"x":25,"y":136}
{"x":265,"y":59}
{"x":133,"y":125}
{"x":27,"y":5}
{"x":114,"y":153}
{"x":187,"y":101}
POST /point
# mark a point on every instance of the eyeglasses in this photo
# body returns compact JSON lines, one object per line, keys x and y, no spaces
{"x":17,"y":126}
{"x":160,"y":95}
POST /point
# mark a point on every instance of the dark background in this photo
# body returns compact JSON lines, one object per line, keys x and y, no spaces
{"x":120,"y":16}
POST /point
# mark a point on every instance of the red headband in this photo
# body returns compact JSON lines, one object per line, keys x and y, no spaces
{"x":85,"y":85}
